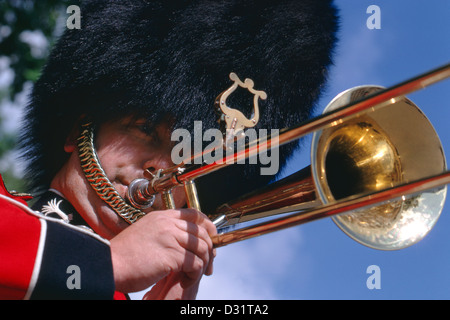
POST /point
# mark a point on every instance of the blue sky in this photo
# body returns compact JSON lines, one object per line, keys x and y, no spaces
{"x":317,"y":260}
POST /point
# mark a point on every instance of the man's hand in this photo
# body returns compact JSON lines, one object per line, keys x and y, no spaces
{"x":171,"y":242}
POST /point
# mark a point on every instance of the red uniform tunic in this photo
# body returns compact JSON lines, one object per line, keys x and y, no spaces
{"x":46,"y":258}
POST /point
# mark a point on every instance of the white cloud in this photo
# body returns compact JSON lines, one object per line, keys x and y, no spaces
{"x":252,"y":269}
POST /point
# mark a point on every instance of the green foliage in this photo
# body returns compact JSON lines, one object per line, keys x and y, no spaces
{"x":17,"y":16}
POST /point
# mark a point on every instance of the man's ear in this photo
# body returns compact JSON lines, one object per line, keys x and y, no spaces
{"x":71,"y":141}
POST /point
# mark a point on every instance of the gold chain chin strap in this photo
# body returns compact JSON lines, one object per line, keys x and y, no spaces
{"x":97,"y":178}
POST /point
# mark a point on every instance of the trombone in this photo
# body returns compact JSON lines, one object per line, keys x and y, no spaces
{"x":382,"y":183}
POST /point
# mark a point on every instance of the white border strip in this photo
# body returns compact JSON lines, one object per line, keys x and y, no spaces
{"x":38,"y":260}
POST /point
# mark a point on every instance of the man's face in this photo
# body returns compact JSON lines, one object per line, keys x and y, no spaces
{"x":125,"y":149}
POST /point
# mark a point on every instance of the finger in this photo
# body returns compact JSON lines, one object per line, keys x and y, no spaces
{"x":197,"y":217}
{"x":193,"y":266}
{"x":197,"y":231}
{"x":209,"y":268}
{"x":201,"y":246}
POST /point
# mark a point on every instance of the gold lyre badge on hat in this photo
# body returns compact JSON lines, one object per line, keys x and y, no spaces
{"x":232,"y":121}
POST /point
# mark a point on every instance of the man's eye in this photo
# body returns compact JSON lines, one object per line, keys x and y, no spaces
{"x":146,"y":130}
{"x":143,"y":128}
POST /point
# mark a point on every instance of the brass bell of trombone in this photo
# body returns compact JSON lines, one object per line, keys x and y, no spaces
{"x":379,"y":149}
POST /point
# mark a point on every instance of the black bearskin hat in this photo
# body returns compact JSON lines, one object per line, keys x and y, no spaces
{"x":158,"y":58}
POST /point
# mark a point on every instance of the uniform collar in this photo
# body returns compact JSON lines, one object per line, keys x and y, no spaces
{"x":54,"y":205}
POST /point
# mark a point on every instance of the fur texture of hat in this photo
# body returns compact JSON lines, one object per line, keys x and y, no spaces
{"x":159,"y":58}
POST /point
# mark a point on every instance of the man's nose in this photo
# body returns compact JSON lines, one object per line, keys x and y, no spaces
{"x":154,"y":164}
